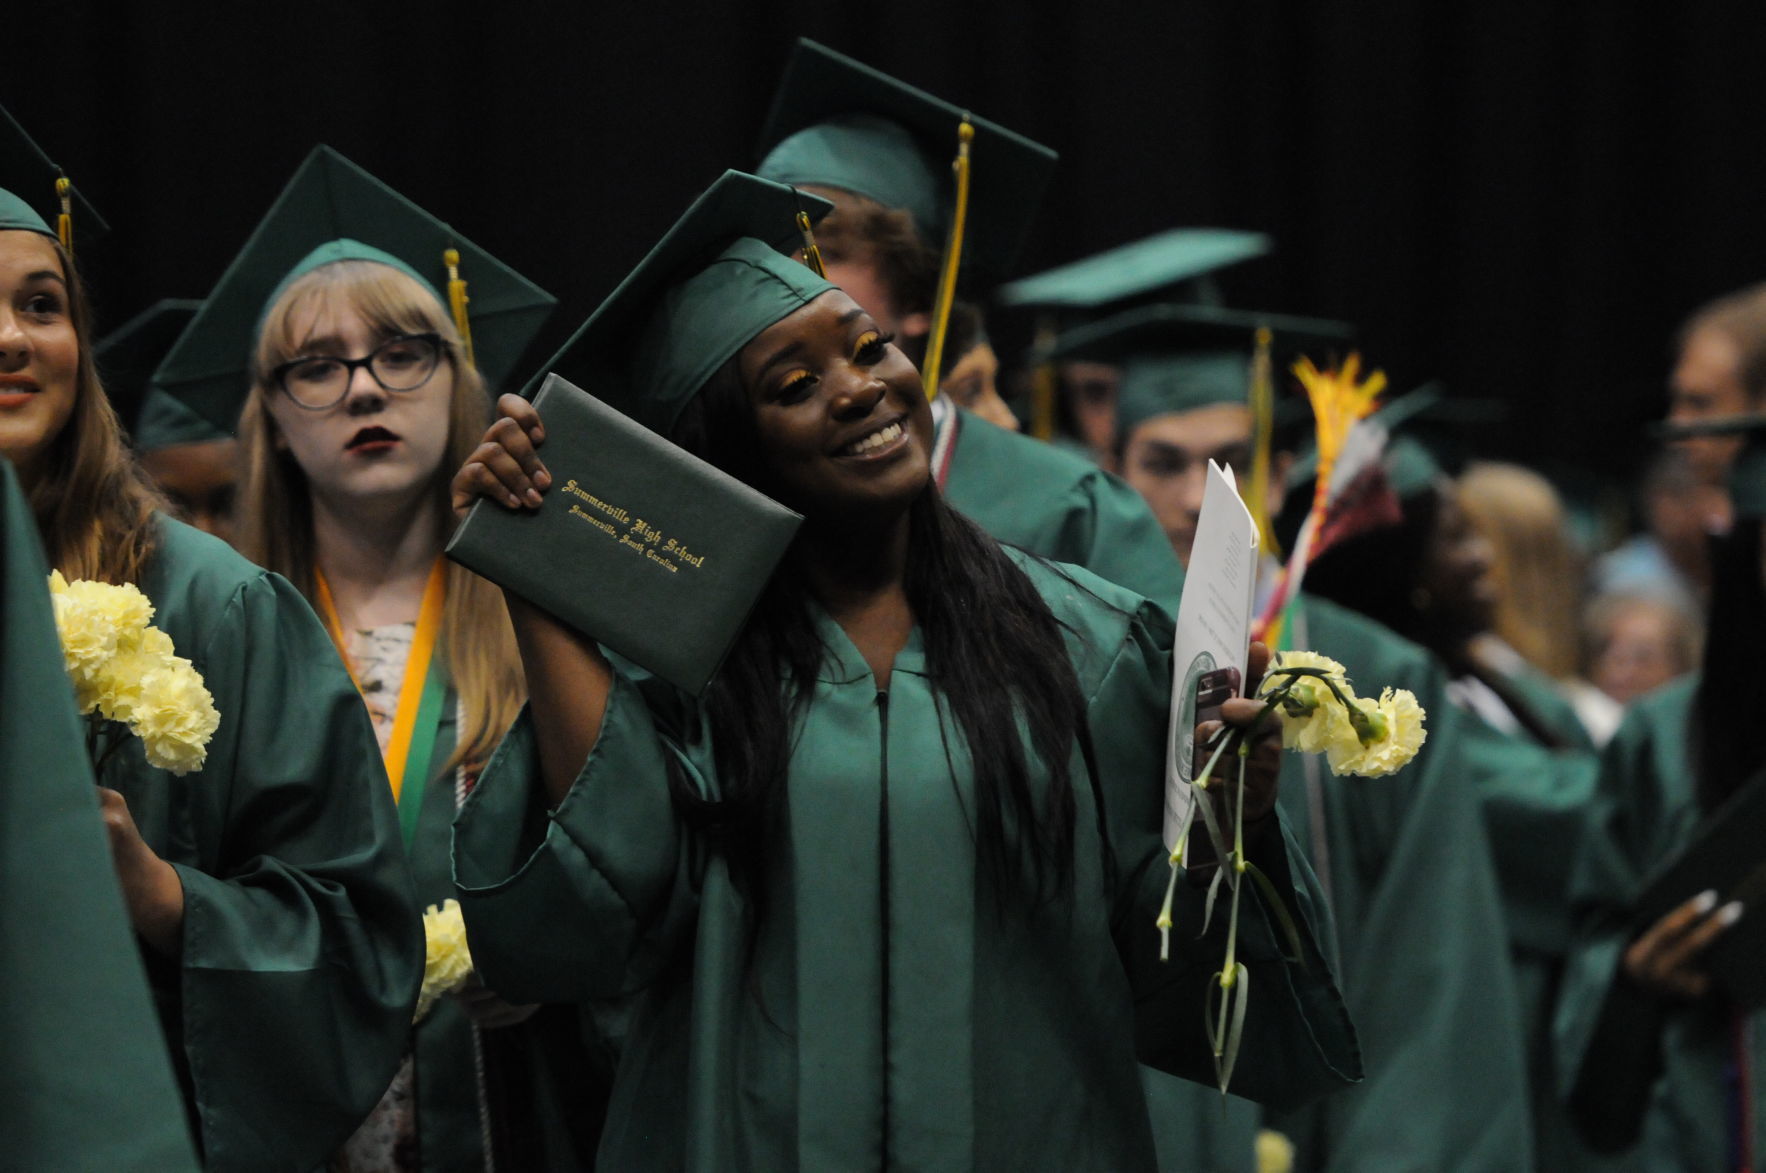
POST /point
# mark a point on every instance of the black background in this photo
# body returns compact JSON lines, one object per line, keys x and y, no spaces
{"x":1522,"y":199}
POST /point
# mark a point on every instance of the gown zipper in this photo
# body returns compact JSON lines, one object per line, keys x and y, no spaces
{"x":883,"y":902}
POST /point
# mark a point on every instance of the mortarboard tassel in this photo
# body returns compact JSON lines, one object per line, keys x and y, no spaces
{"x":64,"y":223}
{"x":457,"y":300}
{"x":812,"y":256}
{"x":953,"y":258}
{"x":1042,"y":386}
{"x":1263,"y":436}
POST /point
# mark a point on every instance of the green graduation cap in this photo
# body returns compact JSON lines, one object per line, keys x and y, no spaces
{"x":29,"y":197}
{"x":1178,"y":358}
{"x":332,"y":210}
{"x":1158,"y":264}
{"x":711,"y":284}
{"x":127,"y":358}
{"x":838,"y":123}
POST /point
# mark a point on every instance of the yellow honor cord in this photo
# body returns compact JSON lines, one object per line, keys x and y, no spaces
{"x":812,"y":256}
{"x":953,"y":259}
{"x":1042,"y":387}
{"x":429,"y":617}
{"x":457,"y":300}
{"x":1257,"y":499}
{"x":64,"y":223}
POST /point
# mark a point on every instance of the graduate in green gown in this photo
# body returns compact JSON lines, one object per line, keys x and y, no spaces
{"x":273,"y":910}
{"x":1074,"y":399}
{"x":1404,"y":861}
{"x":877,"y":902}
{"x":1425,"y":574}
{"x":190,"y":460}
{"x":359,"y":387}
{"x":1659,"y":1062}
{"x":86,"y":1084}
{"x":881,"y":150}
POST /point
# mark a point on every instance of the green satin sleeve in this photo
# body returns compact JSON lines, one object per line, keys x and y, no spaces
{"x":1406,"y":863}
{"x":1298,"y":1043}
{"x":302,"y":949}
{"x":1061,"y":507}
{"x":1610,"y":1035}
{"x":583,"y":901}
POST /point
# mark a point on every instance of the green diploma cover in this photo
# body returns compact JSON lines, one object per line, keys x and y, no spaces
{"x":643,"y":547}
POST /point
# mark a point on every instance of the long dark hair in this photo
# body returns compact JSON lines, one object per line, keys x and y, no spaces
{"x":1727,"y":748}
{"x":995,"y":653}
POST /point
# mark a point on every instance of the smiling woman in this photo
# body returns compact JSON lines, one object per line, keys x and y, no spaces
{"x":39,"y":350}
{"x":265,"y":889}
{"x":866,"y":890}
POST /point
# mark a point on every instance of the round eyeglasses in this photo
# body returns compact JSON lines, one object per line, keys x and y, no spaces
{"x":317,"y":382}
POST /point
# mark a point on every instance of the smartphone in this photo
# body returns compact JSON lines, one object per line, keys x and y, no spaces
{"x":1213,"y":689}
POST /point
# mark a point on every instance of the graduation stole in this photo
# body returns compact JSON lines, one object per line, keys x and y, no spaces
{"x":422,"y":696}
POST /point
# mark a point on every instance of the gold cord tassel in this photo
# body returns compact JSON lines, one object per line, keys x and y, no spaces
{"x":953,"y":259}
{"x":1257,"y":499}
{"x":457,"y":300}
{"x":1042,"y":386}
{"x":64,"y":223}
{"x":812,"y":256}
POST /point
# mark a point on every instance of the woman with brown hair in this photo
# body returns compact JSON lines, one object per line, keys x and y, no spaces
{"x":265,"y":887}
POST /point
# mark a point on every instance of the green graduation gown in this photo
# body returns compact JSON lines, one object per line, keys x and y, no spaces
{"x":1644,"y":811}
{"x":519,"y":1086}
{"x":885,"y":1018}
{"x":1536,"y":805}
{"x":1063,"y":507}
{"x":85,"y":1084}
{"x":1406,"y":867}
{"x":302,"y":951}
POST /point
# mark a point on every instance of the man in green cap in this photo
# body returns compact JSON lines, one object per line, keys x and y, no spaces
{"x":85,"y":1080}
{"x":881,"y":151}
{"x":1406,"y":860}
{"x":1175,"y":266}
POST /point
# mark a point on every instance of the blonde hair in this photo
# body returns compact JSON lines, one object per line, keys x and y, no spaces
{"x":1538,"y":570}
{"x":95,"y":508}
{"x":1741,"y":317}
{"x":275,"y":525}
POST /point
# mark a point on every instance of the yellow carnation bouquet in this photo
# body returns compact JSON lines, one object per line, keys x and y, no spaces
{"x":447,"y":962}
{"x":126,"y":673}
{"x":1319,"y":713}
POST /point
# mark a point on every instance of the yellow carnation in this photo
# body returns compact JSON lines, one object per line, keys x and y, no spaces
{"x":125,"y":670}
{"x":1399,"y":719}
{"x":126,"y":608}
{"x":175,"y":717}
{"x":121,"y":681}
{"x":1275,"y":1152}
{"x":1311,"y":715}
{"x":447,"y":962}
{"x":88,"y":637}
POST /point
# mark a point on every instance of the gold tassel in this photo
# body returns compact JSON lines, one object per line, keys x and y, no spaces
{"x":457,"y":300}
{"x":812,"y":256}
{"x":953,"y":259}
{"x":64,"y":224}
{"x":1262,"y":438}
{"x":1042,"y":386}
